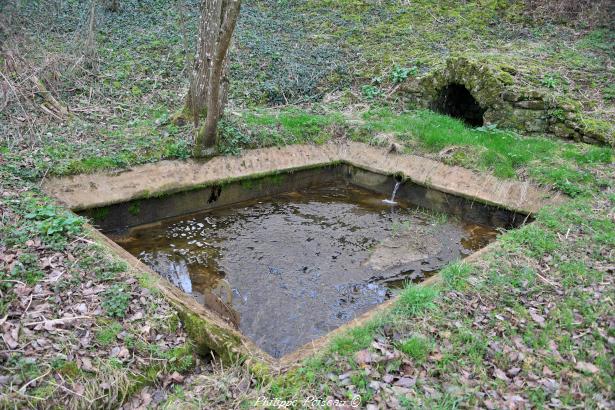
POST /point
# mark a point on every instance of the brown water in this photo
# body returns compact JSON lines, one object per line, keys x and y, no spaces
{"x":303,"y":263}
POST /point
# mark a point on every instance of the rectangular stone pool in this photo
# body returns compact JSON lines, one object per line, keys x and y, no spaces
{"x":289,"y":257}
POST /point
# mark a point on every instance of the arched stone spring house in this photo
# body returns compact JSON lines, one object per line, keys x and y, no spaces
{"x":469,"y":90}
{"x":482,"y":93}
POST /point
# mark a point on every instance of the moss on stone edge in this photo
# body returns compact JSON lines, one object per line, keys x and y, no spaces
{"x":228,"y":347}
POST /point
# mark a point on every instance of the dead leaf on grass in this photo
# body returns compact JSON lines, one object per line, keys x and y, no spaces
{"x":587,"y":367}
{"x":363,"y":357}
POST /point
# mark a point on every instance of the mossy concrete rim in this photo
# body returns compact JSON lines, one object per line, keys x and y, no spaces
{"x":87,"y":191}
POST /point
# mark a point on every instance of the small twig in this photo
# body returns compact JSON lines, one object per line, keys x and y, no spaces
{"x":27,"y":307}
{"x":434,"y":17}
{"x":81,"y":239}
{"x":28,"y":396}
{"x":48,"y":111}
{"x":60,"y":321}
{"x":53,"y":103}
{"x":12,"y":351}
{"x":12,"y":281}
{"x":578,"y":336}
{"x":14,"y":90}
{"x":393,"y":90}
{"x":545,"y":280}
{"x":72,"y":392}
{"x":40,"y":184}
{"x":23,"y":388}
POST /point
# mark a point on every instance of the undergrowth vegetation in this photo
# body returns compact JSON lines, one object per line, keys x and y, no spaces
{"x":78,"y":328}
{"x":119,"y":105}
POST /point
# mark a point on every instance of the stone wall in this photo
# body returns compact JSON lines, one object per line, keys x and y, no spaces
{"x":506,"y":104}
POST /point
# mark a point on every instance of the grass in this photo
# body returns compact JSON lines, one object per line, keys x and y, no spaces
{"x":107,"y":335}
{"x":503,"y":153}
{"x":47,"y":249}
{"x":326,"y":47}
{"x":357,"y":338}
{"x":147,"y":139}
{"x":291,"y":126}
{"x":417,"y":347}
{"x":536,"y":240}
{"x":415,"y":300}
{"x":456,"y":276}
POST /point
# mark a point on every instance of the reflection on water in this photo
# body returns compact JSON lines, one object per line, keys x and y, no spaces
{"x":176,"y":270}
{"x":302,"y":264}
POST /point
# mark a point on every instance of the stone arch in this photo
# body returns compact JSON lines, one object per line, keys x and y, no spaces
{"x":466,"y":89}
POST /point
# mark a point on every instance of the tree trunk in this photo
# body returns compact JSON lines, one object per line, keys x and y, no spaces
{"x":90,"y":42}
{"x":208,"y":88}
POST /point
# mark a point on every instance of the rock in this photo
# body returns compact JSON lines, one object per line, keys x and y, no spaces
{"x":531,"y":105}
{"x":563,"y":131}
{"x":408,"y":246}
{"x":511,"y":96}
{"x":532,"y":95}
{"x":396,"y":148}
{"x":502,"y":102}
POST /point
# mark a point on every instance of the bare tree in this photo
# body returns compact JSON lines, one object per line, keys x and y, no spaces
{"x":90,"y":41}
{"x":209,"y":84}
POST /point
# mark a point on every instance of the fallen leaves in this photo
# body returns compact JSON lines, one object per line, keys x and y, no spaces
{"x":10,"y":335}
{"x":499,"y":374}
{"x":85,"y":363}
{"x":519,"y":351}
{"x":363,"y":357}
{"x":513,"y":371}
{"x":537,"y":318}
{"x":121,"y":352}
{"x":175,"y":377}
{"x":405,"y":382}
{"x":48,"y":335}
